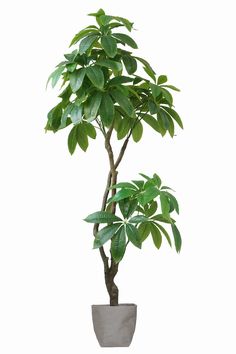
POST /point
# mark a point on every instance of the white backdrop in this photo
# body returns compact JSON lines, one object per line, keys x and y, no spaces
{"x":49,"y":274}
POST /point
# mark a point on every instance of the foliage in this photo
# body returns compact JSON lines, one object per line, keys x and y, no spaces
{"x":145,"y":205}
{"x":102,"y":85}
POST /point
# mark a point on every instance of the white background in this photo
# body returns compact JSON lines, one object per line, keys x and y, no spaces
{"x":49,"y":274}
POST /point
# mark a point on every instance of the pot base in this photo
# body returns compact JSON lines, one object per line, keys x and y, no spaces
{"x":114,"y":326}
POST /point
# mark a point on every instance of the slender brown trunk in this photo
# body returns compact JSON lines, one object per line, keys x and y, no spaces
{"x":111,"y":270}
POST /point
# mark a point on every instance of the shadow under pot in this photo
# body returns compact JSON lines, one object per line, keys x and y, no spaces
{"x":114,"y":326}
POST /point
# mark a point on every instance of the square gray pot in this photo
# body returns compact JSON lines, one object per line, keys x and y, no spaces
{"x":114,"y":326}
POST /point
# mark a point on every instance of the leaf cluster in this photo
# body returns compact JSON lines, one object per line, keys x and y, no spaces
{"x":145,"y":205}
{"x":101,"y":86}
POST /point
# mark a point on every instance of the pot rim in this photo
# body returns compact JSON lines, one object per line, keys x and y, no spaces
{"x":119,"y":305}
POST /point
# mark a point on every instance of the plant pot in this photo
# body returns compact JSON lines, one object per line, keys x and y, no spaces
{"x":114,"y":326}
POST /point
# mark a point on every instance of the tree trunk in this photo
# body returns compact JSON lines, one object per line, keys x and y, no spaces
{"x":112,"y":288}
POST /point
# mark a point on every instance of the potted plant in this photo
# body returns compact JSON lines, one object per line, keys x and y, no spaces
{"x":104,"y":92}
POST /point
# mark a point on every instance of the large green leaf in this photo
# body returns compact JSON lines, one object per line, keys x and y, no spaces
{"x":152,"y":208}
{"x":76,"y":114}
{"x":107,"y":110}
{"x":118,"y":245}
{"x":123,"y":128}
{"x":123,"y":101}
{"x":130,"y":64}
{"x":95,"y":75}
{"x":92,"y":106}
{"x":147,"y":195}
{"x":126,"y":22}
{"x":82,"y":137}
{"x":165,"y":233}
{"x":72,"y":140}
{"x":55,"y":75}
{"x":137,"y":132}
{"x":165,"y":205}
{"x":133,"y":235}
{"x":102,"y":217}
{"x":90,"y":130}
{"x":109,"y":45}
{"x":167,"y":95}
{"x":156,"y":235}
{"x":177,"y":237}
{"x":76,"y":79}
{"x":122,"y":194}
{"x":118,"y":80}
{"x":137,"y":219}
{"x":123,"y":185}
{"x":146,"y":64}
{"x":127,"y":207}
{"x":82,"y":34}
{"x":144,"y":230}
{"x":162,"y":218}
{"x":174,"y":115}
{"x":125,"y":39}
{"x":156,"y":90}
{"x":87,"y":42}
{"x":115,"y":66}
{"x":105,"y":234}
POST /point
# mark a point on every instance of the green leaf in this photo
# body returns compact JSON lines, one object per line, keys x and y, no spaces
{"x":82,"y":34}
{"x":82,"y":137}
{"x":87,"y":42}
{"x":137,"y":132}
{"x":95,"y":75}
{"x":107,"y":110}
{"x":147,"y":65}
{"x":76,"y":114}
{"x":172,"y":87}
{"x":156,"y":235}
{"x":118,"y":80}
{"x":133,"y":235}
{"x":165,"y":206}
{"x":174,"y":115}
{"x":144,"y":230}
{"x":162,"y":218}
{"x":171,"y":128}
{"x":102,"y":217}
{"x":125,"y":39}
{"x":100,"y":12}
{"x":55,"y":75}
{"x":167,"y":95}
{"x":129,"y":63}
{"x":115,"y":66}
{"x":126,"y":22}
{"x":156,"y":90}
{"x":150,"y":73}
{"x":76,"y":79}
{"x":161,"y":79}
{"x":105,"y":234}
{"x":122,"y":194}
{"x":177,"y":237}
{"x":139,"y":184}
{"x":137,"y":219}
{"x":150,"y":120}
{"x":105,"y":19}
{"x":109,"y":45}
{"x":123,"y":101}
{"x":118,"y":245}
{"x":90,"y":130}
{"x":149,"y":194}
{"x":123,"y":185}
{"x":92,"y":106}
{"x":152,"y":209}
{"x":66,"y":113}
{"x":127,"y":207}
{"x":123,"y":128}
{"x":72,"y":140}
{"x":165,"y":233}
{"x":174,"y":201}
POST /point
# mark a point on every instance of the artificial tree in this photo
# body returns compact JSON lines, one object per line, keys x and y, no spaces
{"x":104,"y":90}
